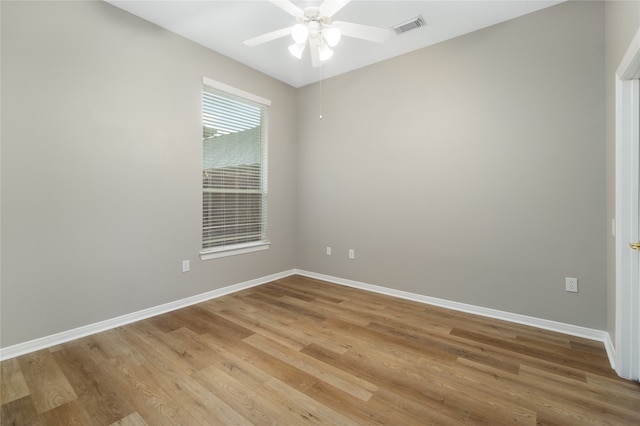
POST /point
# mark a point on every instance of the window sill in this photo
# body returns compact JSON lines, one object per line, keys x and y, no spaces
{"x":234,"y":250}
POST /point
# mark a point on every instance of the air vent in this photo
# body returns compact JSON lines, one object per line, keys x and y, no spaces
{"x":409,"y":25}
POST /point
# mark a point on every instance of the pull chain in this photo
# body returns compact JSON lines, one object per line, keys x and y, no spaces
{"x":321,"y":93}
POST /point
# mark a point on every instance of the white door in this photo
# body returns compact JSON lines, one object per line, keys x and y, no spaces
{"x":627,"y":339}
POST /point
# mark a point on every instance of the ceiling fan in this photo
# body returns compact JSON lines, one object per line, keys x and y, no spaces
{"x":316,"y":27}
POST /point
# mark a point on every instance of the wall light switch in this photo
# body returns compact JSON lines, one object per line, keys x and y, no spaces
{"x":328,"y":251}
{"x":185,"y":266}
{"x":352,"y":254}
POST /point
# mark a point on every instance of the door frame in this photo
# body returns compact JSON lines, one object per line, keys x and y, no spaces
{"x":627,"y":318}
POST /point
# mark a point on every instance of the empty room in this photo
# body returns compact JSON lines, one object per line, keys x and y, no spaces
{"x":320,"y":212}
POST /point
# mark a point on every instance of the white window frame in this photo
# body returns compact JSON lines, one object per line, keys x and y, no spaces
{"x":236,"y":249}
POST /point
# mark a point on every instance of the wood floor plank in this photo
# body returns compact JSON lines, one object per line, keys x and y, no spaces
{"x":413,"y":411}
{"x":302,"y":407}
{"x":597,"y":399}
{"x":615,"y":385}
{"x":395,"y":381}
{"x":355,"y":409}
{"x":541,"y":397}
{"x":560,"y":356}
{"x":253,"y":367}
{"x":265,"y":325}
{"x":302,"y":351}
{"x":98,"y":396}
{"x":248,"y":401}
{"x":12,"y":385}
{"x":135,"y":378}
{"x":292,"y":404}
{"x":337,"y":311}
{"x":391,"y":340}
{"x":490,"y":326}
{"x":133,"y":419}
{"x":47,"y":384}
{"x":349,"y":383}
{"x":447,"y":345}
{"x":376,"y":316}
{"x":71,"y":414}
{"x":185,"y":359}
{"x":202,"y":405}
{"x":295,"y":335}
{"x":484,"y":349}
{"x":289,"y":310}
{"x":20,"y":411}
{"x":435,"y":390}
{"x":304,"y":286}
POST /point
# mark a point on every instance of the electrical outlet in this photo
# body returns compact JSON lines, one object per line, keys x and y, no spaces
{"x":328,"y":251}
{"x":571,"y":284}
{"x":185,"y":266}
{"x":352,"y":254}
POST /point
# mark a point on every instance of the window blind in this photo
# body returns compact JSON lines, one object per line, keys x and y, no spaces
{"x":234,"y":170}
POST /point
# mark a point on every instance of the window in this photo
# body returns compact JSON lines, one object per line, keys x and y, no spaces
{"x":234,"y":171}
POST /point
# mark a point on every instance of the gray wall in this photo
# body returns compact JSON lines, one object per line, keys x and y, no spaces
{"x":101,"y":167}
{"x":472,"y":170}
{"x":622,"y":23}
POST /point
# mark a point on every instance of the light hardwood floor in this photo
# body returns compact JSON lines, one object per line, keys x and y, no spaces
{"x":302,"y":351}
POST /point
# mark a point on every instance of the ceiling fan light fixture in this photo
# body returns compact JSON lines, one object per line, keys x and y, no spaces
{"x":297,"y":49}
{"x":315,"y":27}
{"x":332,"y":36}
{"x":324,"y":52}
{"x":300,"y":33}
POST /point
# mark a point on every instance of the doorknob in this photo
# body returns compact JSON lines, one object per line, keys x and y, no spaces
{"x":635,"y":246}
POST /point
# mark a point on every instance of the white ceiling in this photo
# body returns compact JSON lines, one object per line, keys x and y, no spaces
{"x":223,"y":26}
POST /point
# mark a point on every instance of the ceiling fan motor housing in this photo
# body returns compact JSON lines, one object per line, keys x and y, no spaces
{"x":315,"y":25}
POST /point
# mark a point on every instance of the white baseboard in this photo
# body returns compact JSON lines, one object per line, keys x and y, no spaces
{"x":572,"y":330}
{"x":76,"y":333}
{"x":611,"y":351}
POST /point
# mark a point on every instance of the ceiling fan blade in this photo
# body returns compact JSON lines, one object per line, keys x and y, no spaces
{"x":330,"y":7}
{"x":315,"y":53}
{"x":288,"y":7}
{"x":268,"y":37}
{"x":365,"y":32}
